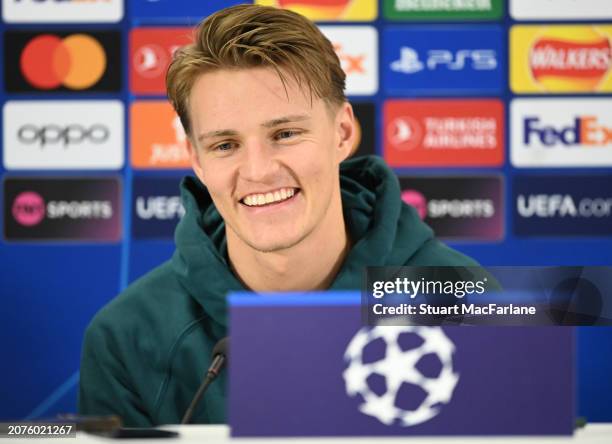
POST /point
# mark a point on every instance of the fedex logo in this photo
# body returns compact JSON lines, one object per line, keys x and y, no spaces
{"x":443,"y":60}
{"x":549,"y":132}
{"x":584,"y":130}
{"x":477,"y":59}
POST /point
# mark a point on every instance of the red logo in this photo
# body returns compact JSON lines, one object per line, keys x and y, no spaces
{"x":552,"y":57}
{"x":77,"y":61}
{"x":444,"y":133}
{"x":417,"y":200}
{"x":28,"y":208}
{"x":151,"y":50}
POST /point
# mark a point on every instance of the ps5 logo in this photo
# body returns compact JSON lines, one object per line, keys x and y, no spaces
{"x":409,"y":61}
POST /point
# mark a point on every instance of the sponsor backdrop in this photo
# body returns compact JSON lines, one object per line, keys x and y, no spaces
{"x":495,"y":115}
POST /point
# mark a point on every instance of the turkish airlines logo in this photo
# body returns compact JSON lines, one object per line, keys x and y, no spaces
{"x":457,"y":207}
{"x":357,"y":50}
{"x":443,"y":132}
{"x":65,"y":11}
{"x":63,"y":134}
{"x":151,"y":50}
{"x":85,"y":61}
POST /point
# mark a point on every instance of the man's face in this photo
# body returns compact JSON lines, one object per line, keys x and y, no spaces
{"x":268,"y":156}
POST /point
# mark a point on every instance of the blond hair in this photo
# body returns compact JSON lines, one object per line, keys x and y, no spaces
{"x":250,"y":36}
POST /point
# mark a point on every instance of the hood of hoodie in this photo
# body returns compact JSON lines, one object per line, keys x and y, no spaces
{"x":383,"y":231}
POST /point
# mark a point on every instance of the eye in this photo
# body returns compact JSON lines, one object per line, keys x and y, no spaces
{"x":224,"y":147}
{"x":286,"y":134}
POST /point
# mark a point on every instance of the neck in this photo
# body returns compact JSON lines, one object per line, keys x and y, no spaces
{"x":312,"y":264}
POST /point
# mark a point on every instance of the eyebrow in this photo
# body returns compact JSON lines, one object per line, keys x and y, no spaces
{"x":269,"y":124}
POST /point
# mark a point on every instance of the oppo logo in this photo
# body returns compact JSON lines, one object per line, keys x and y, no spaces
{"x":64,"y":135}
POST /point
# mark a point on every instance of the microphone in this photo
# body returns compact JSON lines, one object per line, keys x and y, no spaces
{"x":220,"y":355}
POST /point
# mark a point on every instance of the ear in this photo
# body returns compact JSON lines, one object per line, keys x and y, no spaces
{"x":192,"y":149}
{"x":347,"y":131}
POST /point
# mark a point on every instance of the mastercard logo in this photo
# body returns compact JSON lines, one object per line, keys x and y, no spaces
{"x":77,"y":61}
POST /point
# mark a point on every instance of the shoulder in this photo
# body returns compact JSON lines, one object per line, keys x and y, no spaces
{"x":151,"y":310}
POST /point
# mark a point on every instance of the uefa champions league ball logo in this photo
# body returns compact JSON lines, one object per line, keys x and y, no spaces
{"x":398,"y":366}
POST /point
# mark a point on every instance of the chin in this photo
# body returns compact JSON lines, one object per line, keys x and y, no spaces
{"x":273,"y":244}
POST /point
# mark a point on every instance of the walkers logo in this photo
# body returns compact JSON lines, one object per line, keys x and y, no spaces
{"x":357,"y":49}
{"x":188,"y":11}
{"x":63,"y":134}
{"x":443,"y":60}
{"x":458,"y":207}
{"x":560,"y":9}
{"x":62,"y":209}
{"x":65,"y":11}
{"x":151,"y":50}
{"x":329,"y":10}
{"x":561,"y":132}
{"x":442,"y":9}
{"x":156,"y":207}
{"x":62,"y":61}
{"x":562,"y":59}
{"x":577,"y":205}
{"x":157,"y":139}
{"x":443,"y":133}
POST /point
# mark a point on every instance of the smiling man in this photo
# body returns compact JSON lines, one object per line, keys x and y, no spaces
{"x":274,"y":207}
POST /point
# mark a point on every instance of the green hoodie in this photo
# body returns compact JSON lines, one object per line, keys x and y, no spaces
{"x":145,"y":353}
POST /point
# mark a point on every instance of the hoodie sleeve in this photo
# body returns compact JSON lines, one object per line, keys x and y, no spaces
{"x":104,"y":381}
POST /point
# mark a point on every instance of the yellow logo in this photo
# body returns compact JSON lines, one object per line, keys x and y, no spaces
{"x":329,"y":10}
{"x":561,"y":59}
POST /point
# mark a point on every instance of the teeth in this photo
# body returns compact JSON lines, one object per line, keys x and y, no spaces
{"x":263,"y":199}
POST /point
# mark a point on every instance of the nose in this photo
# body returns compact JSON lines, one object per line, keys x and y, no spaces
{"x":258,"y":163}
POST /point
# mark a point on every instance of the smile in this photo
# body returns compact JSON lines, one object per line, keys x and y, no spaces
{"x":261,"y":199}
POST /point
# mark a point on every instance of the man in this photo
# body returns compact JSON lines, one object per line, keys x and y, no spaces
{"x":274,"y":208}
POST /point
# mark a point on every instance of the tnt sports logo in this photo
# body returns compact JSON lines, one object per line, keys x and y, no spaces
{"x":410,"y":61}
{"x":408,"y":381}
{"x":28,"y":208}
{"x":449,"y":208}
{"x":326,"y":10}
{"x":416,"y":200}
{"x":76,"y":62}
{"x":561,"y":59}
